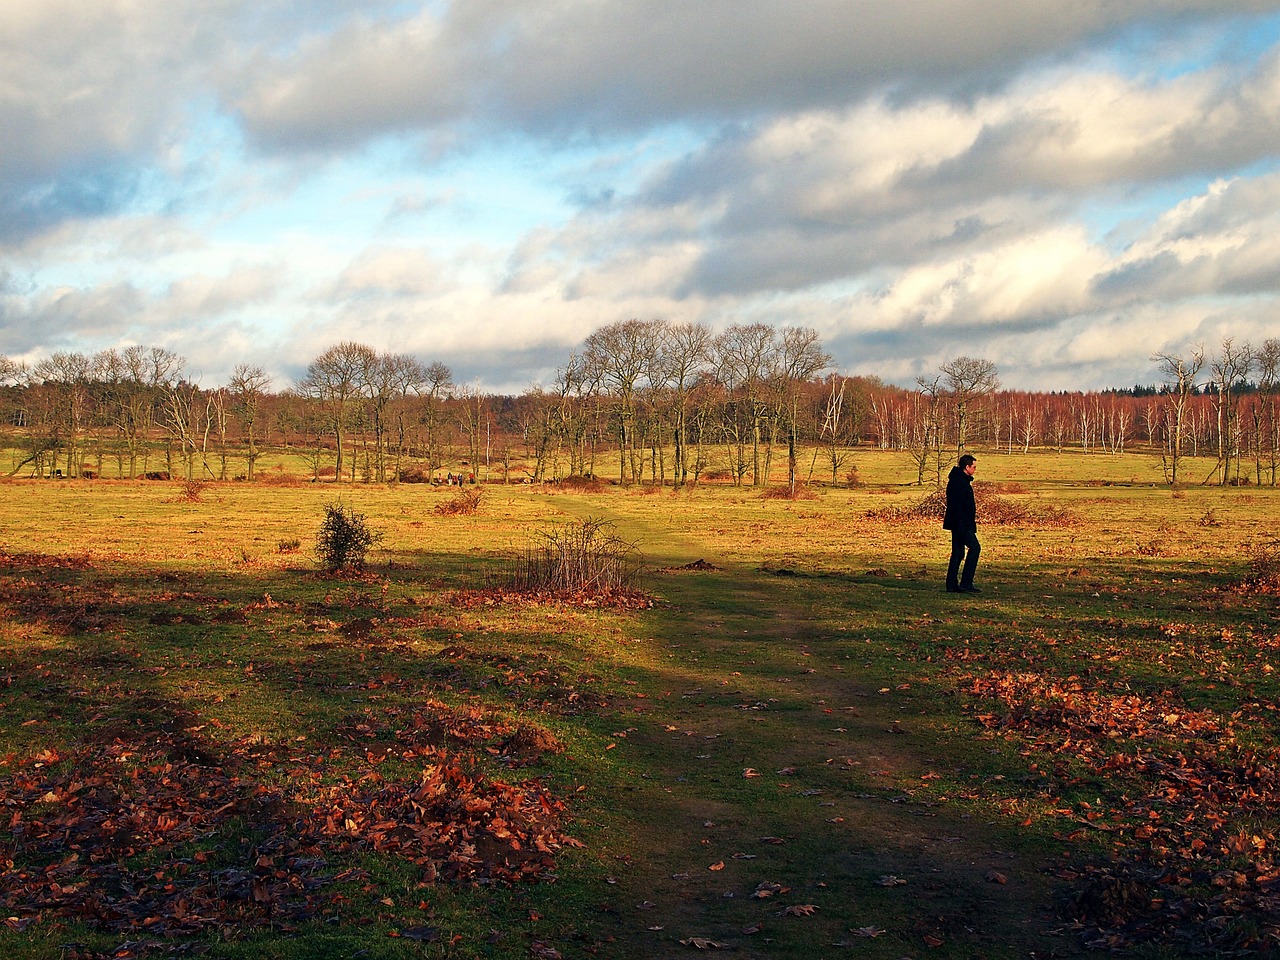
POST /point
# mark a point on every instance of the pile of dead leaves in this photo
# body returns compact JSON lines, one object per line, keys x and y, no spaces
{"x":701,"y":566}
{"x":155,"y":836}
{"x":992,"y":510}
{"x":594,"y":597}
{"x":1191,"y":866}
{"x":1065,"y":710}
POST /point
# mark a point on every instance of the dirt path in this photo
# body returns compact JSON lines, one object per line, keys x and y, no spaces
{"x":778,"y":793}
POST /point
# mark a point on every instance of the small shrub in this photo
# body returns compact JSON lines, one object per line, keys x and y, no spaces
{"x":464,"y":503}
{"x":344,"y":538}
{"x":190,"y":491}
{"x":289,"y":546}
{"x":851,"y":478}
{"x":581,"y":484}
{"x":800,"y":491}
{"x":1210,"y":519}
{"x":278,"y":478}
{"x":1152,"y":548}
{"x":415,"y":474}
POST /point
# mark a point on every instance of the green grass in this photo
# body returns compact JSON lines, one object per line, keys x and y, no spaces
{"x":799,"y":716}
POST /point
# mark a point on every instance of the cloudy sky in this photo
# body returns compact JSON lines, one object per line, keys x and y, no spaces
{"x":1063,"y":188}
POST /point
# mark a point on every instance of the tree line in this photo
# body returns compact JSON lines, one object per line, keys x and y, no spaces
{"x":639,"y":401}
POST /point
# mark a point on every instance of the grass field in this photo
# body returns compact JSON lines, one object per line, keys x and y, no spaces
{"x":802,"y":748}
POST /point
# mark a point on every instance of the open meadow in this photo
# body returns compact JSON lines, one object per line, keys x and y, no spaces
{"x":791,"y":743}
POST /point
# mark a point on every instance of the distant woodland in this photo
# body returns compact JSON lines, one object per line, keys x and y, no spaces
{"x":637,"y":402}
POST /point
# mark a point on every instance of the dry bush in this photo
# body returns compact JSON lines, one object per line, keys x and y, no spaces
{"x":414,"y":474}
{"x":464,"y":503}
{"x":1264,"y":569}
{"x":190,"y":491}
{"x":278,"y":478}
{"x":932,"y":507}
{"x":585,"y":557}
{"x":1210,"y":518}
{"x":992,"y":510}
{"x":800,"y":491}
{"x":1007,"y":487}
{"x":716,"y":476}
{"x":580,"y":484}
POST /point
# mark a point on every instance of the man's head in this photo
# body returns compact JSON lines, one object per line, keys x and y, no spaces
{"x":968,"y":463}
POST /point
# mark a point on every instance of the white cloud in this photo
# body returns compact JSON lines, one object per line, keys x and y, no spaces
{"x":883,"y":172}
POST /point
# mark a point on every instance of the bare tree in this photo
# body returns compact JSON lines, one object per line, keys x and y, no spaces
{"x":66,"y":377}
{"x":574,"y":389}
{"x":1230,"y":367}
{"x":186,"y":422}
{"x":926,"y":428}
{"x":744,"y":355}
{"x":833,"y":435}
{"x":684,"y":356}
{"x":335,"y":380}
{"x":432,"y":383}
{"x":1180,"y":375}
{"x":622,"y":355}
{"x":248,"y":387}
{"x":968,"y":379}
{"x":473,"y":418}
{"x":799,"y":359}
{"x":1266,"y":429}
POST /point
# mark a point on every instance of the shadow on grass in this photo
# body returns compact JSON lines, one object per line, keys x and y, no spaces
{"x":773,"y":761}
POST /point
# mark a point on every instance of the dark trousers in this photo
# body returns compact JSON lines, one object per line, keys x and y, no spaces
{"x":964,"y":546}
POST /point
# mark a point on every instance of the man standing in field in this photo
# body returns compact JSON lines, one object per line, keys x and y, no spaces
{"x":961,"y":518}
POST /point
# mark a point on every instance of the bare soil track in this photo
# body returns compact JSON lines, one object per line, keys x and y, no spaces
{"x":781,"y":804}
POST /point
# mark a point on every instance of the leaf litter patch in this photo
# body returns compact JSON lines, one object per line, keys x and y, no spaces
{"x":611,"y":598}
{"x":150,"y":836}
{"x":1192,"y":862}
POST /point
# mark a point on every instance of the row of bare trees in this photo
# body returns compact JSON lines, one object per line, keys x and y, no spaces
{"x":384,"y":397}
{"x":1244,"y":422}
{"x":651,"y":400}
{"x":117,"y":404}
{"x":655,"y":385}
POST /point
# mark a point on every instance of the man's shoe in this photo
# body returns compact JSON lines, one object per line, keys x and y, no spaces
{"x":951,"y":589}
{"x":970,"y":589}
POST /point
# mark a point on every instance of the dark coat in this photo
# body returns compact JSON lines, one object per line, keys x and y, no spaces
{"x":962,"y":511}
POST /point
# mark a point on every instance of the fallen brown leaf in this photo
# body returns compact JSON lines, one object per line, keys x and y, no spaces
{"x":800,"y":910}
